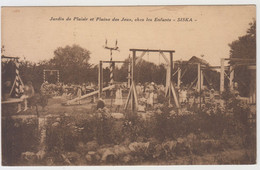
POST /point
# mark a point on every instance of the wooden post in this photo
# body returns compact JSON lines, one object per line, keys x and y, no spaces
{"x":222,"y":76}
{"x":129,"y":73}
{"x":100,"y":79}
{"x":199,"y":82}
{"x":133,"y":81}
{"x":170,"y":77}
{"x":199,"y":79}
{"x":179,"y":78}
{"x":175,"y":97}
{"x":231,"y":78}
{"x":111,"y":69}
{"x":167,"y":81}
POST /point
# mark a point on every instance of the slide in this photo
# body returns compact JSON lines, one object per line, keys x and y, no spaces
{"x":70,"y":102}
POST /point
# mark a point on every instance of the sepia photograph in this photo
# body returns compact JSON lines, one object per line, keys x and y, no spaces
{"x":128,"y":85}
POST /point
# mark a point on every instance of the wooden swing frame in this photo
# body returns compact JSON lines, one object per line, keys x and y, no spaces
{"x":169,"y":91}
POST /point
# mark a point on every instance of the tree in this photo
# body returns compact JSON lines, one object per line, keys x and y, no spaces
{"x":244,"y":47}
{"x":73,"y":63}
{"x":144,"y":72}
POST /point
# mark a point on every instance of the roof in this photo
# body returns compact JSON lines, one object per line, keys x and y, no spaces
{"x":195,"y":59}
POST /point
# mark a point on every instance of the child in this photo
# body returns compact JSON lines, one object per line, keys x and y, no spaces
{"x":100,"y":104}
{"x":150,"y":99}
{"x":79,"y":93}
{"x":118,"y":99}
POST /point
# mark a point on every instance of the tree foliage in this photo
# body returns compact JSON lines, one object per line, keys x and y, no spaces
{"x":144,"y":72}
{"x":73,"y":63}
{"x":245,"y":48}
{"x":71,"y":56}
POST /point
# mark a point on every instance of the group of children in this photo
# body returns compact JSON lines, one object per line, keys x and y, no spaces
{"x":148,"y":95}
{"x":192,"y":96}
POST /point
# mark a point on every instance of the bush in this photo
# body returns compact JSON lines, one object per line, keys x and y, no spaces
{"x":209,"y":130}
{"x":18,"y":135}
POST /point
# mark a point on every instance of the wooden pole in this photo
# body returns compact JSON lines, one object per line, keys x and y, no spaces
{"x":170,"y":77}
{"x":199,"y":79}
{"x":167,"y":81}
{"x":128,"y":97}
{"x":104,"y":61}
{"x":100,"y":79}
{"x":133,"y":82}
{"x":94,"y":93}
{"x":231,"y":78}
{"x":152,"y":50}
{"x":179,"y":77}
{"x":129,"y":73}
{"x":222,"y":76}
{"x":175,"y":97}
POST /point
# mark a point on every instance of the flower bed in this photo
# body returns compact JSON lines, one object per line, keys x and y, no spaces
{"x":212,"y":135}
{"x":99,"y":138}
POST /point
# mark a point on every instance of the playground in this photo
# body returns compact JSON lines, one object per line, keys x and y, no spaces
{"x":131,"y":123}
{"x":127,"y":85}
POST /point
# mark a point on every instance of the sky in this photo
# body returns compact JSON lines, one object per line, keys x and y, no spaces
{"x":28,"y":31}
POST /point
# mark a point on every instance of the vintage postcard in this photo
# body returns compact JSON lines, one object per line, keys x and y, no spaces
{"x":128,"y":85}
